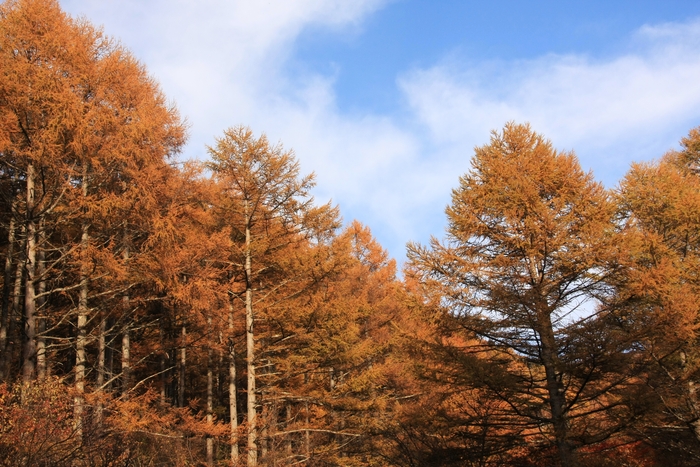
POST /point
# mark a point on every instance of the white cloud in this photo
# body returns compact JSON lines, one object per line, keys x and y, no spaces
{"x":226,"y":63}
{"x":598,"y":107}
{"x":220,"y":60}
{"x":223,"y":63}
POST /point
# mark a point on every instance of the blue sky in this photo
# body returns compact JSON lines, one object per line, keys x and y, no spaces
{"x":385,"y":100}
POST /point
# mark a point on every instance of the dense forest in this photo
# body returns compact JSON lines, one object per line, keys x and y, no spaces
{"x":165,"y":312}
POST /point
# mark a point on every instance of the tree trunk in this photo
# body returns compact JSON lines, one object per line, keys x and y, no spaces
{"x":81,"y":342}
{"x":6,"y":291}
{"x":101,"y":359}
{"x":267,"y":414}
{"x":288,"y":417}
{"x":250,"y":346}
{"x":126,"y":360}
{"x":183,"y":367}
{"x":557,"y":398}
{"x":163,"y":364}
{"x":232,"y":400}
{"x":15,"y":311}
{"x":109,"y":354}
{"x":126,"y":337}
{"x":29,"y":354}
{"x":307,"y":435}
{"x":41,"y":367}
{"x":210,"y":399}
{"x":101,"y":353}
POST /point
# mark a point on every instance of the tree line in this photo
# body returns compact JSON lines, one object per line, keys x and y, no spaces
{"x":161,"y":312}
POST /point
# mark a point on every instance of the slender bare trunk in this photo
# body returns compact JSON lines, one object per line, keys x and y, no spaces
{"x":108,"y":354}
{"x":16,"y":304}
{"x":29,"y":354}
{"x":101,"y":351}
{"x":218,"y":375}
{"x":109,"y":372}
{"x":266,"y":415}
{"x":232,"y":401}
{"x":210,"y":403}
{"x":288,"y":417}
{"x":250,"y":346}
{"x":126,"y":333}
{"x":210,"y":398}
{"x":41,"y":367}
{"x":81,"y":341}
{"x":6,"y":291}
{"x":126,"y":360}
{"x":183,"y":368}
{"x":307,"y":435}
{"x":161,"y":358}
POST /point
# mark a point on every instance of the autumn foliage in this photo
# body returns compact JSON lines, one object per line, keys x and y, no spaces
{"x":165,"y":312}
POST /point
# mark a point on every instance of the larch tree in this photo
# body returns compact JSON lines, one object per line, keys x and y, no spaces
{"x":330,"y":384}
{"x":530,"y":244}
{"x":84,"y":130}
{"x":352,"y":351}
{"x":39,"y":111}
{"x":125,"y":160}
{"x":659,"y":294}
{"x":447,"y":417}
{"x":269,"y":210}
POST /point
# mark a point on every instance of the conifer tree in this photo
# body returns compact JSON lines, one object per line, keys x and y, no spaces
{"x":531,"y":242}
{"x":268,"y":209}
{"x":658,"y":295}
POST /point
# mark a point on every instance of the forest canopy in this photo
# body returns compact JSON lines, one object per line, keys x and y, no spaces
{"x":156,"y":311}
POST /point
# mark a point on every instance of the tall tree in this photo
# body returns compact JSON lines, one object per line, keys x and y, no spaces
{"x":38,"y":112}
{"x":269,"y":210}
{"x":530,"y":243}
{"x":660,"y":295}
{"x":84,"y":130}
{"x":346,"y":351}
